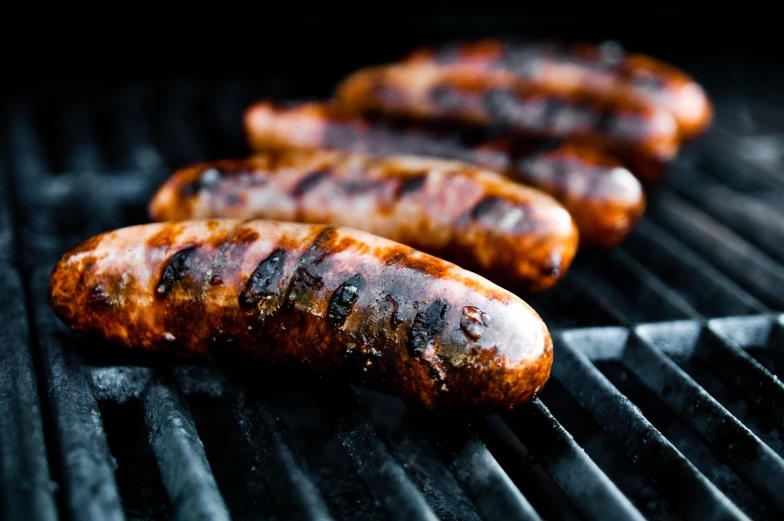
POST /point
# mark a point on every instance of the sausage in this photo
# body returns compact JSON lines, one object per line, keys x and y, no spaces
{"x":641,"y":134}
{"x":335,"y":301}
{"x":517,"y":236}
{"x":604,"y":198}
{"x":604,"y":69}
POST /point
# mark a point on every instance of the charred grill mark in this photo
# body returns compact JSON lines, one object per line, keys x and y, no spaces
{"x":316,"y":252}
{"x":394,"y":320}
{"x":427,"y":324}
{"x":207,"y":180}
{"x":445,"y":97}
{"x":604,"y":123}
{"x":361,"y":186}
{"x":412,"y":185}
{"x":260,"y":282}
{"x":309,"y":182}
{"x":303,"y":282}
{"x":649,"y":82}
{"x":553,"y":107}
{"x":497,"y":103}
{"x":176,"y":269}
{"x":338,"y":135}
{"x":546,"y":145}
{"x":485,"y":206}
{"x":343,"y":300}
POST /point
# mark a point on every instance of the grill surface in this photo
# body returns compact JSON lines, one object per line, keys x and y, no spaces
{"x":663,"y":403}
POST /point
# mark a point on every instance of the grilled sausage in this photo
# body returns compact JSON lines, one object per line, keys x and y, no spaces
{"x":643,"y":135}
{"x":336,"y":301}
{"x":606,"y":70}
{"x":604,"y":198}
{"x":517,"y":236}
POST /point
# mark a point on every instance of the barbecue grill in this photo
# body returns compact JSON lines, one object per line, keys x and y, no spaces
{"x":663,"y":404}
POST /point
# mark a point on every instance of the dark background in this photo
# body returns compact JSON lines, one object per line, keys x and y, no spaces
{"x":231,"y":40}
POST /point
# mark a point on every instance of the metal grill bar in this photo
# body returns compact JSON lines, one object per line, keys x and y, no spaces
{"x":477,"y":471}
{"x":636,"y":295}
{"x":685,"y":488}
{"x":138,"y":148}
{"x":183,"y":465}
{"x":387,"y":480}
{"x":293,"y":493}
{"x":628,"y":286}
{"x":777,"y":337}
{"x":582,"y":481}
{"x":86,"y":465}
{"x":83,"y":153}
{"x":27,"y":491}
{"x":746,"y":331}
{"x":751,"y":459}
{"x":718,"y":151}
{"x":179,"y":140}
{"x":722,"y":247}
{"x":741,"y":372}
{"x":704,"y":287}
{"x":739,"y":212}
{"x":573,"y":305}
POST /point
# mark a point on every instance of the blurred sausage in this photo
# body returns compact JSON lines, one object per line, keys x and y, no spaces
{"x":641,"y":134}
{"x":519,"y":237}
{"x":604,"y":198}
{"x":606,"y":70}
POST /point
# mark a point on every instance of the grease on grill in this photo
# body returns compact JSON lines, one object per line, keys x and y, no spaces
{"x":343,"y":300}
{"x":309,"y":182}
{"x":258,"y":285}
{"x":427,"y":324}
{"x":176,"y":269}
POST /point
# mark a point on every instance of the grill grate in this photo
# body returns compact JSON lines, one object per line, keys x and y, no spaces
{"x":670,"y":410}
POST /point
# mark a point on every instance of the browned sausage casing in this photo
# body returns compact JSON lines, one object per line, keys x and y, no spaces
{"x":604,"y":70}
{"x":515,"y":235}
{"x":335,"y":301}
{"x":643,"y":135}
{"x":604,"y":198}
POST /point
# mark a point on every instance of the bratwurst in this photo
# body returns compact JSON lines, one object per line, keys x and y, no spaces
{"x":606,"y":70}
{"x":516,"y":236}
{"x":604,"y":198}
{"x":643,"y":135}
{"x":331,"y":300}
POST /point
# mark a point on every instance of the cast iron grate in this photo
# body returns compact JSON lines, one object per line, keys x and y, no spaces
{"x":663,"y":404}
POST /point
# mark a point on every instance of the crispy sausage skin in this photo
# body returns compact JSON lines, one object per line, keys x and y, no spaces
{"x":643,"y":135}
{"x":518,"y":236}
{"x":331,"y":300}
{"x":605,"y":70}
{"x":604,"y":198}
